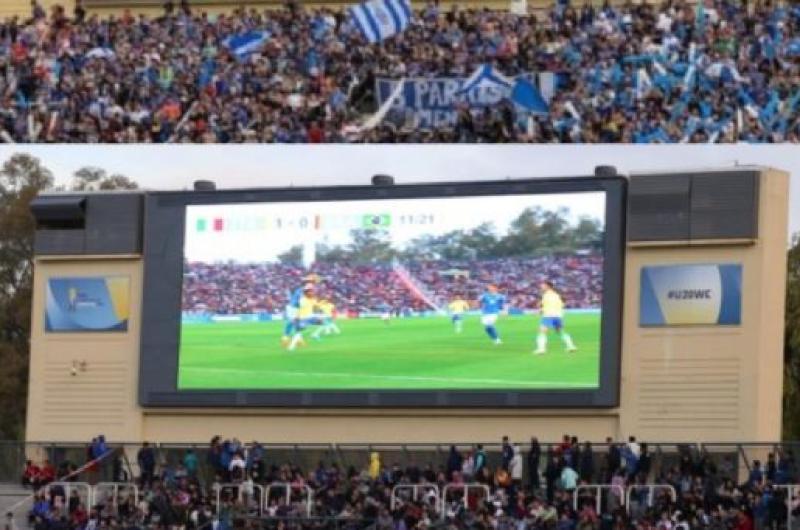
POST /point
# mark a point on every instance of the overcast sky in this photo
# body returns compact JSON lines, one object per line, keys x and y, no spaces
{"x":250,"y":165}
{"x":260,"y":232}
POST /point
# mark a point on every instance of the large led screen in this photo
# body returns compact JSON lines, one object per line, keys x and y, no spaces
{"x":456,"y":293}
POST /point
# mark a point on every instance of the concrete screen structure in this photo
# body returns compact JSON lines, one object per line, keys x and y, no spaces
{"x":704,"y":381}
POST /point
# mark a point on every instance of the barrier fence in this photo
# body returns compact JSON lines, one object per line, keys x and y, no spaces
{"x":731,"y":459}
{"x":257,"y":499}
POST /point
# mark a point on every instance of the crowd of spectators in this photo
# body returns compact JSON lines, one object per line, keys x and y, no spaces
{"x":721,"y":71}
{"x":531,"y":489}
{"x":578,"y":279}
{"x":232,"y":288}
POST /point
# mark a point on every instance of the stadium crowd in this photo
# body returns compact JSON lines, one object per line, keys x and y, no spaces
{"x":721,"y":71}
{"x":531,"y":490}
{"x":579,"y":279}
{"x":230,"y":288}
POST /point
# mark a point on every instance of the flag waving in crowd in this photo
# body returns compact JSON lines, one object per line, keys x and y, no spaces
{"x":244,"y":44}
{"x":378,"y":20}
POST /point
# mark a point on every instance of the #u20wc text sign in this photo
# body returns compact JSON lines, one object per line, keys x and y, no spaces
{"x":681,"y":295}
{"x":87,"y":304}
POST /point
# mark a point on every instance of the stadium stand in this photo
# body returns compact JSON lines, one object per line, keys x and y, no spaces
{"x":719,"y":71}
{"x":239,"y":288}
{"x":565,"y":486}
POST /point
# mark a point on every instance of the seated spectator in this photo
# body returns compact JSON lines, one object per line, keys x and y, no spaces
{"x":31,"y":475}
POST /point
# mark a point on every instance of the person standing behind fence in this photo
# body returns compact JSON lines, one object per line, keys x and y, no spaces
{"x":551,"y":474}
{"x":480,"y":460}
{"x":190,"y":463}
{"x":508,"y":453}
{"x":146,"y":458}
{"x":534,"y":456}
{"x":454,"y":462}
{"x":586,"y":464}
{"x":515,"y":467}
{"x":613,"y":460}
{"x":374,"y":465}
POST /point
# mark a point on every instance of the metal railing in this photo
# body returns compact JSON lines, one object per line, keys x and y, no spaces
{"x":733,"y":460}
{"x":245,"y":491}
{"x":309,"y":501}
{"x":598,"y":490}
{"x":651,"y":489}
{"x":115,"y":488}
{"x":415,"y":491}
{"x":465,"y":488}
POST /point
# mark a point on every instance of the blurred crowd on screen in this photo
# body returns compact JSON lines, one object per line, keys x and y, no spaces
{"x":511,"y":488}
{"x":233,"y":288}
{"x":671,"y":71}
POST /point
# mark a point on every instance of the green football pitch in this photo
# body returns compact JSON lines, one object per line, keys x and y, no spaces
{"x":406,"y":353}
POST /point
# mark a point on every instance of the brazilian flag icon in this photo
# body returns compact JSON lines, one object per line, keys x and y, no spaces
{"x":376,"y":221}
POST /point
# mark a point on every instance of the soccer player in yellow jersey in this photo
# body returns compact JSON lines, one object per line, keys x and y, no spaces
{"x":552,"y":318}
{"x":304,"y":315}
{"x":328,"y":326}
{"x":457,"y":309}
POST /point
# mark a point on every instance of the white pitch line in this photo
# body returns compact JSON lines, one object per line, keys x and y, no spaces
{"x":554,"y":384}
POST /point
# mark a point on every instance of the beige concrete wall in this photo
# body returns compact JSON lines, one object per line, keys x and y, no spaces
{"x":707,"y":382}
{"x":103,"y":398}
{"x":396,"y":426}
{"x":678,"y":384}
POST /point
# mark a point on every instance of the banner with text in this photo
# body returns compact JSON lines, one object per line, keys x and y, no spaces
{"x":433,"y":102}
{"x":708,"y":294}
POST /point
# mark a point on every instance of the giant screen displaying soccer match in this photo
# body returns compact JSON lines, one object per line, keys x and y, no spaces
{"x":455,"y":293}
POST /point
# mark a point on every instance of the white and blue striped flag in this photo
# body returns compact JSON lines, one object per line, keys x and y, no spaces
{"x":244,"y":44}
{"x":380,"y":19}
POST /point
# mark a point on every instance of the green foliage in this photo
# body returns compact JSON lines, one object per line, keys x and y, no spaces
{"x":22,"y":178}
{"x":791,"y":364}
{"x":293,"y":256}
{"x":535,"y":232}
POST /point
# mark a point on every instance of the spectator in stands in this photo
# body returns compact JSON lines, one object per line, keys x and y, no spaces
{"x":552,"y":473}
{"x":645,"y":461}
{"x":515,"y":466}
{"x":455,"y":462}
{"x":569,"y":478}
{"x":756,"y":474}
{"x":190,"y":463}
{"x":507,"y":453}
{"x":146,"y":458}
{"x":586,"y":463}
{"x":534,"y":458}
{"x":374,"y":465}
{"x":613,"y":459}
{"x":630,"y":455}
{"x":48,"y":473}
{"x":480,"y":460}
{"x":31,"y":475}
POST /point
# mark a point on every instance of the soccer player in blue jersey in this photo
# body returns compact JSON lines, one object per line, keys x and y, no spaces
{"x":293,"y":306}
{"x":492,"y":304}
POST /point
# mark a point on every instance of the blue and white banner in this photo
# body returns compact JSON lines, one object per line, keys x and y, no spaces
{"x":378,"y":20}
{"x":433,"y":102}
{"x":674,"y":295}
{"x":244,"y":44}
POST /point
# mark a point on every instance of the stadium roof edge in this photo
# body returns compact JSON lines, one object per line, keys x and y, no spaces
{"x":715,"y":169}
{"x":366,"y":185}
